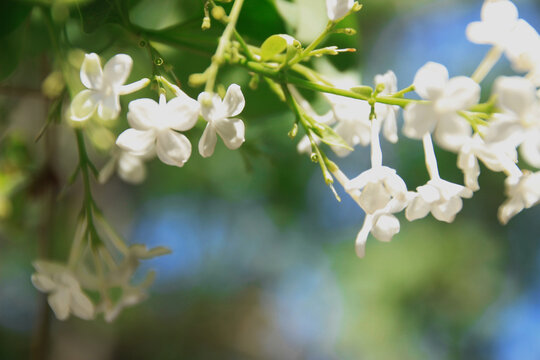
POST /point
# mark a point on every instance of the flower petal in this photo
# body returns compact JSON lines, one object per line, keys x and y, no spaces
{"x":515,"y":93}
{"x":386,"y":227}
{"x":211,"y":106}
{"x":139,"y":142}
{"x":109,"y":107}
{"x":460,"y":93}
{"x":233,"y":101}
{"x":530,"y":148}
{"x":142,"y":114}
{"x":419,"y":119}
{"x":231,"y":132}
{"x":173,"y":148}
{"x":91,"y":73}
{"x":373,"y":197}
{"x":417,"y":209}
{"x":131,"y":88}
{"x":181,"y":113}
{"x":430,"y":80}
{"x":446,"y":210}
{"x":452,"y":132}
{"x":83,"y":105}
{"x":390,"y":130}
{"x":117,"y":69}
{"x":43,"y":282}
{"x":81,"y":305}
{"x":59,"y":302}
{"x":131,"y":168}
{"x":336,"y":9}
{"x":208,"y":140}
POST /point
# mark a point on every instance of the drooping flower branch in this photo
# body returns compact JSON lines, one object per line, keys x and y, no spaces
{"x":448,"y":113}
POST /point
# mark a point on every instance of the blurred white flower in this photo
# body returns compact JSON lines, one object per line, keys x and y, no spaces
{"x":104,"y":87}
{"x":519,"y":125}
{"x":65,"y":294}
{"x":388,"y":113}
{"x":496,"y":157}
{"x":446,"y":96}
{"x":380,"y":192}
{"x":523,"y":192}
{"x":440,"y":197}
{"x":523,"y":50}
{"x":336,"y":9}
{"x":499,"y":18}
{"x":153,"y":128}
{"x":220,"y":117}
{"x":131,"y":168}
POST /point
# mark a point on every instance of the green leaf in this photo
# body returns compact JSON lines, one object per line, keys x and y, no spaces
{"x":276,"y":44}
{"x":329,"y":136}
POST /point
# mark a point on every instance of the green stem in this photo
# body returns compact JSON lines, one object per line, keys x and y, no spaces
{"x":277,"y":75}
{"x":89,"y":204}
{"x":244,"y":45}
{"x":224,"y":41}
{"x":402,"y":92}
{"x":313,"y":45}
{"x":491,"y":58}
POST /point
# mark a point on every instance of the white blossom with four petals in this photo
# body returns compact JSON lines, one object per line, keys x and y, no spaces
{"x":440,"y":197}
{"x":154,"y":127}
{"x":380,"y":192}
{"x":65,"y":294}
{"x":498,"y":19}
{"x":104,"y":87}
{"x":446,"y":97}
{"x":220,"y":115}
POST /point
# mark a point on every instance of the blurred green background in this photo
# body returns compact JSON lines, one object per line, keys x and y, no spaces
{"x":263,"y":263}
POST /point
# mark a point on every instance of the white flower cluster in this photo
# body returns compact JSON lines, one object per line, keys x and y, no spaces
{"x":112,"y":267}
{"x":446,"y":111}
{"x":155,"y":126}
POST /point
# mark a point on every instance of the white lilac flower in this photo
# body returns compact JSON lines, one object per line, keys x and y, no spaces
{"x":131,"y":295}
{"x":499,"y":19}
{"x":220,"y":117}
{"x":380,"y":192}
{"x":519,"y":124}
{"x":154,"y":127}
{"x":336,"y":9}
{"x":131,"y":168}
{"x":120,"y":277}
{"x":496,"y":157}
{"x":523,"y":192}
{"x":523,"y":50}
{"x":388,"y":113}
{"x":104,"y":87}
{"x":446,"y":97}
{"x":65,"y":294}
{"x":440,"y":197}
{"x":353,"y":124}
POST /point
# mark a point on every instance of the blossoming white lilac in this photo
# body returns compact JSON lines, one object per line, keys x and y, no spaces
{"x":448,"y":113}
{"x":104,"y":87}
